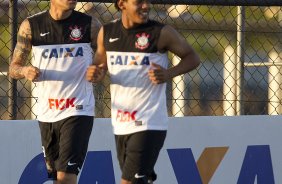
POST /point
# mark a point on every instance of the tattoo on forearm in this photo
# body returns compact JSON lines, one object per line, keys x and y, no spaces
{"x":21,"y":52}
{"x":16,"y":72}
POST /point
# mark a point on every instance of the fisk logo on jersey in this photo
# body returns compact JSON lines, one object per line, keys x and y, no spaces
{"x":129,"y":60}
{"x":62,"y":52}
{"x":125,"y":116}
{"x":61,"y":104}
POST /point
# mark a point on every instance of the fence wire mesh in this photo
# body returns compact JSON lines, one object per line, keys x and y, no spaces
{"x":240,"y":50}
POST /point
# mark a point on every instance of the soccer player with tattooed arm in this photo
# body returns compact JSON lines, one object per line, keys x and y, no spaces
{"x":62,"y":42}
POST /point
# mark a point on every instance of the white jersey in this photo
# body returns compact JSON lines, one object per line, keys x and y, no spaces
{"x":137,"y":104}
{"x":62,"y":59}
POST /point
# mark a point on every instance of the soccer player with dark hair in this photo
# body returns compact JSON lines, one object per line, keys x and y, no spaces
{"x":134,"y":51}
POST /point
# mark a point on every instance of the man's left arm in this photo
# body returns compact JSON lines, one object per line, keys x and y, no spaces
{"x":171,"y":40}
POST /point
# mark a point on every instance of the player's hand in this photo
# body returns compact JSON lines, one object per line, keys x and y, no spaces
{"x":158,"y":74}
{"x":95,"y":73}
{"x":30,"y":73}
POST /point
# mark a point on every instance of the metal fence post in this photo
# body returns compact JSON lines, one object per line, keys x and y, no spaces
{"x":275,"y":80}
{"x":229,"y":85}
{"x":240,"y":59}
{"x":13,"y":21}
{"x":178,"y":91}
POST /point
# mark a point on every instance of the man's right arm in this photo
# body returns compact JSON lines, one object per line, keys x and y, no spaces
{"x":97,"y":71}
{"x":17,"y":69}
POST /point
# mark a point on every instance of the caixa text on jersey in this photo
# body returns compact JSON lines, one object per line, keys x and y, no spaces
{"x":62,"y":52}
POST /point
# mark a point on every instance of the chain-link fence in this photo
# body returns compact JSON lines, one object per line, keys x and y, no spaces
{"x":239,"y":44}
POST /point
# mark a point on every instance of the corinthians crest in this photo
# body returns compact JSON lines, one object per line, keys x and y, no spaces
{"x":76,"y":33}
{"x":142,"y":41}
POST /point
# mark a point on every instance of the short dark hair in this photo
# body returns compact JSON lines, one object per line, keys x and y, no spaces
{"x":116,"y":5}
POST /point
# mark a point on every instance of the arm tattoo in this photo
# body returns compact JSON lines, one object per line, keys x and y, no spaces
{"x":24,"y":37}
{"x":21,"y":51}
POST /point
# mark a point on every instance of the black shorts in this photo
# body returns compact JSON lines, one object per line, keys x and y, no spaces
{"x":138,"y":152}
{"x":65,"y":144}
